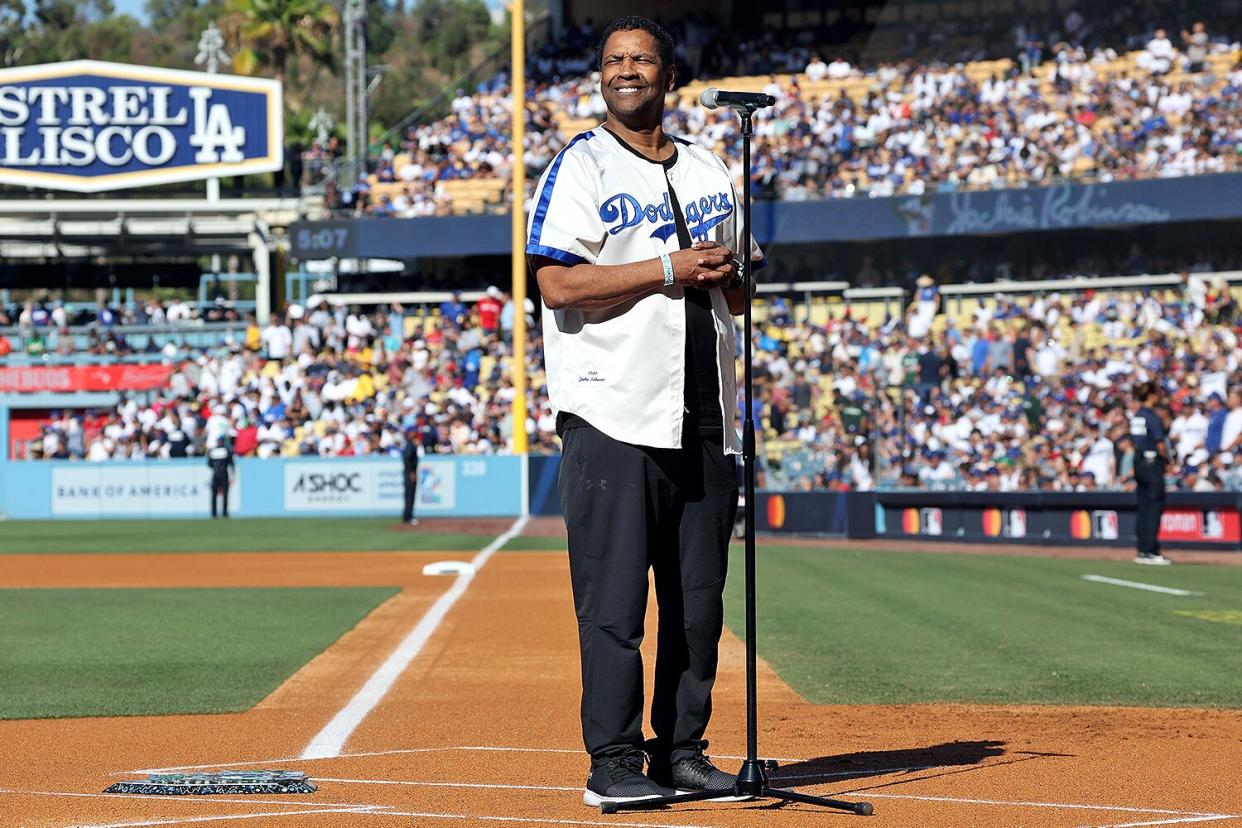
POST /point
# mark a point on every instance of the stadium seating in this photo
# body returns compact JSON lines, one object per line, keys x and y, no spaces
{"x":801,"y":96}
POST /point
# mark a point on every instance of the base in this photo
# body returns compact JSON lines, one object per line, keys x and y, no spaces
{"x":207,"y":784}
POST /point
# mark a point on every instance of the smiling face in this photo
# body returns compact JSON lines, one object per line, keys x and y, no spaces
{"x":632,"y":79}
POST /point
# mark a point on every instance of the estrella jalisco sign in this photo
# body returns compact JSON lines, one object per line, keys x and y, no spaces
{"x":90,"y":126}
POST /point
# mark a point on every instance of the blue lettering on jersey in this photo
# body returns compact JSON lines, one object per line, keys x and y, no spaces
{"x":706,"y":213}
{"x":624,"y":212}
{"x":629,"y":212}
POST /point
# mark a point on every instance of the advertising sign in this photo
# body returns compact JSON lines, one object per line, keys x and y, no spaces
{"x":343,"y":486}
{"x":368,"y":486}
{"x":135,"y":490}
{"x":1216,"y":525}
{"x":799,"y":513}
{"x":437,"y":483}
{"x":37,"y":378}
{"x":929,"y":521}
{"x":90,"y":126}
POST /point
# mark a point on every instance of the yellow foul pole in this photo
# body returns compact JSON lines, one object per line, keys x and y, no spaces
{"x":518,"y":59}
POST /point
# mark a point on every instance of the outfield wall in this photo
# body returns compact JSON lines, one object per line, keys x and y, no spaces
{"x":506,"y":486}
{"x":275,"y":487}
{"x":1210,"y":520}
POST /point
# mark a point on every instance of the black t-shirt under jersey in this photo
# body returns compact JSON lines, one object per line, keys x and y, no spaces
{"x":702,"y":373}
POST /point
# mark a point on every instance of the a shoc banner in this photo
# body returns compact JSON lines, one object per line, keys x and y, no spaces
{"x":63,"y":378}
{"x":89,"y":126}
{"x":368,"y":486}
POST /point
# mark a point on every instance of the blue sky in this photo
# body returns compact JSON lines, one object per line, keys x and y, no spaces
{"x":131,"y":7}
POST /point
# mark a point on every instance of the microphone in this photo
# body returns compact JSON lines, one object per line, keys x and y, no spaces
{"x":713,"y":98}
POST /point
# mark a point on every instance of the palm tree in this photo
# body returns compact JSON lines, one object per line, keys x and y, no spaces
{"x":270,"y":32}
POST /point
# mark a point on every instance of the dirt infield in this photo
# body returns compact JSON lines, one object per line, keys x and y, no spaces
{"x":481,"y":728}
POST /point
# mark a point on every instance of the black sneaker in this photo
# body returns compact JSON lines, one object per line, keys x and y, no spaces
{"x":697,"y":773}
{"x":621,"y":780}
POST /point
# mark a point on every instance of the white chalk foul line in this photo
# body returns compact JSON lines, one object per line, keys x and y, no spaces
{"x":286,"y":760}
{"x":393,"y":752}
{"x":230,"y":818}
{"x":1205,"y":818}
{"x":417,"y":784}
{"x":190,"y":800}
{"x":1063,"y":805}
{"x":329,"y":741}
{"x":527,"y":820}
{"x":1100,"y":579}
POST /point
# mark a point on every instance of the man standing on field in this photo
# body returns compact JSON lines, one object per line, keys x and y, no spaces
{"x":632,"y":241}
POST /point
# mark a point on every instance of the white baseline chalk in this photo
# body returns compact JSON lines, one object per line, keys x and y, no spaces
{"x":1100,"y":579}
{"x":329,"y":741}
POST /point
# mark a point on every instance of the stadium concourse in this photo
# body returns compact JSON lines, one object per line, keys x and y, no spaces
{"x":1099,"y":102}
{"x":999,"y":394}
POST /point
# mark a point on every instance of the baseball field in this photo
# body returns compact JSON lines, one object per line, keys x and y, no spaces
{"x":948,"y":686}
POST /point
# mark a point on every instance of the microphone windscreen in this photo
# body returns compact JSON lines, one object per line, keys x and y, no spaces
{"x":708,"y":98}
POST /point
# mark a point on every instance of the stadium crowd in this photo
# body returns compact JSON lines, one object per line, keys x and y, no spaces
{"x":1021,"y":394}
{"x":1016,"y":394}
{"x":322,"y":381}
{"x":915,"y":127}
{"x":46,"y":326}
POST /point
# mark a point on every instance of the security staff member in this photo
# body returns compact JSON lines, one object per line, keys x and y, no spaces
{"x":409,"y":467}
{"x":631,"y":240}
{"x":220,"y":459}
{"x":1151,"y":454}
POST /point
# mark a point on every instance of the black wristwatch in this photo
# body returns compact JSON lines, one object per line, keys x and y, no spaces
{"x":737,"y":275}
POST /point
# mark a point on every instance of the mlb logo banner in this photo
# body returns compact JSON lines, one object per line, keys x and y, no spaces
{"x":1106,"y":525}
{"x":89,"y":126}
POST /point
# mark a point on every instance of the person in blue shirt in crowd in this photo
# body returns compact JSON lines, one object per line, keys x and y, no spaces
{"x":1216,"y":423}
{"x":1151,"y":455}
{"x":452,"y":311}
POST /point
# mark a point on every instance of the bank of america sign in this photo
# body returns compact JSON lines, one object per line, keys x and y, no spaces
{"x":90,"y":126}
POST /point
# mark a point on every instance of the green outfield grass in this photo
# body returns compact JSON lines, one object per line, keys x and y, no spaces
{"x":853,"y":627}
{"x":237,"y":535}
{"x":840,"y":625}
{"x":119,"y":652}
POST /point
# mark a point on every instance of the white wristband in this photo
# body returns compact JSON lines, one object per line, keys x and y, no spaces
{"x":668,"y":269}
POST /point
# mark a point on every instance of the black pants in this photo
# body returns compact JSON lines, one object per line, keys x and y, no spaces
{"x":220,"y":491}
{"x":1149,"y":477}
{"x":629,"y":509}
{"x":411,"y":493}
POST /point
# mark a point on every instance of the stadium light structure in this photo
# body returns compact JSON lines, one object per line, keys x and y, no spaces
{"x":355,"y":92}
{"x":211,"y":52}
{"x":517,"y":46}
{"x":322,"y":123}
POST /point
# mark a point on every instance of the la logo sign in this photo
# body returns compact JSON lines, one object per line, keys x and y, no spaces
{"x":89,"y":126}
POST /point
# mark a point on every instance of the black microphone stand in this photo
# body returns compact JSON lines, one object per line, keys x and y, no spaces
{"x":752,"y":779}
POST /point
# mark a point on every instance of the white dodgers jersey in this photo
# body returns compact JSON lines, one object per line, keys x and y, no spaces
{"x":623,"y":368}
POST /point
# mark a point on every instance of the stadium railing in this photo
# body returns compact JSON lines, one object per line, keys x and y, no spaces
{"x":189,"y":336}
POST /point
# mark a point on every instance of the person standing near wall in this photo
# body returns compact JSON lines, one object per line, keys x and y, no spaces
{"x":1151,"y":455}
{"x":220,"y":459}
{"x":409,"y":474}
